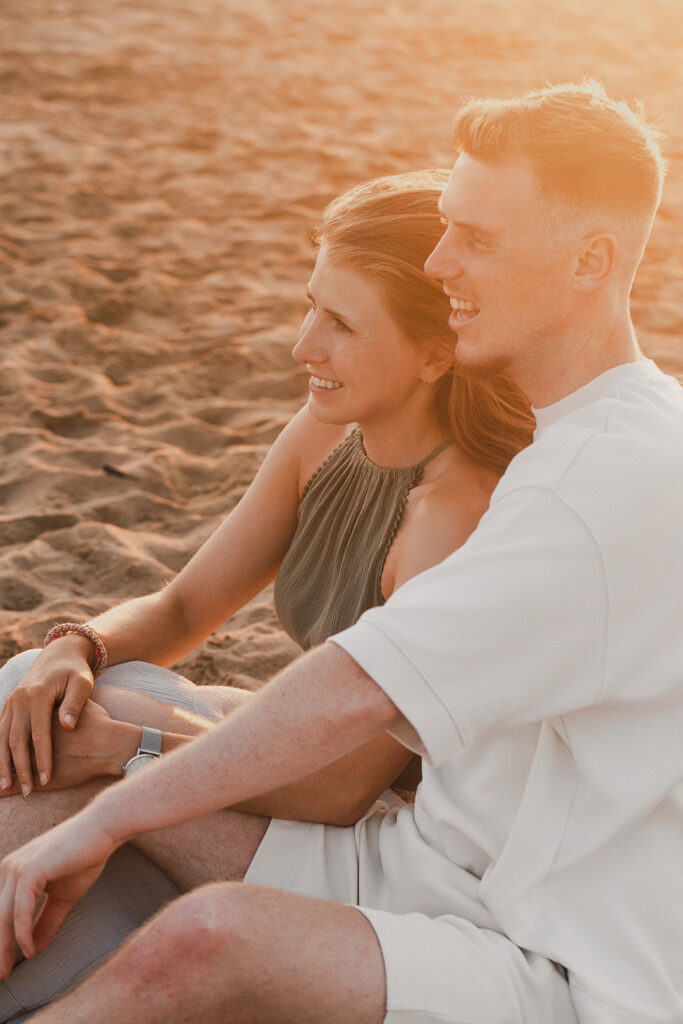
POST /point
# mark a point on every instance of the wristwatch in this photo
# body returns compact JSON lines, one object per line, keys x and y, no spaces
{"x":148,"y":751}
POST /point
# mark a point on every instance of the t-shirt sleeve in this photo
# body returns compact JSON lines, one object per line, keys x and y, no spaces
{"x":508,"y":630}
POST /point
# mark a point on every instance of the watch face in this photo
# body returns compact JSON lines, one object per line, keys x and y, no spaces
{"x":138,"y":762}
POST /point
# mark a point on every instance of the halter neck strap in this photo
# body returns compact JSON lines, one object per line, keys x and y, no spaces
{"x":437,"y":451}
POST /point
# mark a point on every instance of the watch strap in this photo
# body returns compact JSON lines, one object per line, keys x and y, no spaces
{"x":150,"y":742}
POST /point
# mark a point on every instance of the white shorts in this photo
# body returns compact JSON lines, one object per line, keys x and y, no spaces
{"x":453,"y":968}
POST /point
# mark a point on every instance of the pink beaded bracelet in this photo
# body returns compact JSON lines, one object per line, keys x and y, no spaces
{"x":65,"y":628}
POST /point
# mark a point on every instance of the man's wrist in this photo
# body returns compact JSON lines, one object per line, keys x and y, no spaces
{"x":109,"y":815}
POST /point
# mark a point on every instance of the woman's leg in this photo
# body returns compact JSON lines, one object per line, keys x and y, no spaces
{"x":219,"y":846}
{"x":193,"y":853}
{"x":160,"y":684}
{"x":128,"y":892}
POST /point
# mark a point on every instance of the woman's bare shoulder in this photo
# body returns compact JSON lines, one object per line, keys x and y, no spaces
{"x":440,"y":514}
{"x":461,"y":491}
{"x":313,"y":441}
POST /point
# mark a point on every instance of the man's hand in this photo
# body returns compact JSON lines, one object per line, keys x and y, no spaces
{"x":98,"y":747}
{"x":61,"y":865}
{"x":60,"y":676}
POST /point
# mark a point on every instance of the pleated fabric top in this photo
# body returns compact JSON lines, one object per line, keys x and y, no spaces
{"x":347,"y":519}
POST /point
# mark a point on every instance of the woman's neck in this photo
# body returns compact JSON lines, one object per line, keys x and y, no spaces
{"x":404,"y":443}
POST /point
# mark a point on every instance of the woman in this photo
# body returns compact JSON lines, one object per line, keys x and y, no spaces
{"x":385,"y":471}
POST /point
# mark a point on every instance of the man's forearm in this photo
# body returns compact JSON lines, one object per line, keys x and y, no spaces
{"x":313,"y":713}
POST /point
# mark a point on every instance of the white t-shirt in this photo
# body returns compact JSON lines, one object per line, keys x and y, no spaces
{"x":540,"y":672}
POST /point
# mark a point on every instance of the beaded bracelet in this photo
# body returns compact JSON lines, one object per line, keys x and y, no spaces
{"x":65,"y":628}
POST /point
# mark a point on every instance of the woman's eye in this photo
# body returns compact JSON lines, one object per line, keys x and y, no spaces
{"x":340,"y":326}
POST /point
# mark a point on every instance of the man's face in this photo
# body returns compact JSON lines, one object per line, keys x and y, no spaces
{"x":507,"y":272}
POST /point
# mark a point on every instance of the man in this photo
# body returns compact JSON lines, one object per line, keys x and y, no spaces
{"x":537,"y":670}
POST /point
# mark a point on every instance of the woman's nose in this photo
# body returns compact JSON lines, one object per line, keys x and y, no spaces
{"x":309,"y":348}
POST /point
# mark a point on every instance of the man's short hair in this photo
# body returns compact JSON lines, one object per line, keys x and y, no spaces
{"x":588,"y":151}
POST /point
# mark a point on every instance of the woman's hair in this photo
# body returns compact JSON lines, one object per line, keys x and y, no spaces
{"x":385,"y":229}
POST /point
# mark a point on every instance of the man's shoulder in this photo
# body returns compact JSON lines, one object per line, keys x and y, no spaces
{"x":632,"y":433}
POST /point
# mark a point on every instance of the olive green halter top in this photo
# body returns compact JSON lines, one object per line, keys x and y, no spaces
{"x":347,"y":519}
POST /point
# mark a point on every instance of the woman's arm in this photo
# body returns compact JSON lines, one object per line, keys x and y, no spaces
{"x":237,"y":561}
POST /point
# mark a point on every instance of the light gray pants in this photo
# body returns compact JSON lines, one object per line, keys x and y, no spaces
{"x":129,"y":890}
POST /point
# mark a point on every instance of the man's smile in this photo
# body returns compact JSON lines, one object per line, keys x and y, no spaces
{"x":463,"y":309}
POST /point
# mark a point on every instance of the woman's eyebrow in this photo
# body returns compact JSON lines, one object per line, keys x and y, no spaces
{"x":332,"y":312}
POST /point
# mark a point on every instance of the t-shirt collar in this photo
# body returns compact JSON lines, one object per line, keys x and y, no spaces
{"x":600,"y":387}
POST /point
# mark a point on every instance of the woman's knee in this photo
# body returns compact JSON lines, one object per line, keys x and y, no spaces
{"x":13,"y":671}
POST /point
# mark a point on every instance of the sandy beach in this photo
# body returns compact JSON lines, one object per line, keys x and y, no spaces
{"x":161,"y":165}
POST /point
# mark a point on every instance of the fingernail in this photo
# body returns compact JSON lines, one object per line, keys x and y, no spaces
{"x":43,"y":778}
{"x":69,"y":719}
{"x":25,"y":789}
{"x":4,"y":784}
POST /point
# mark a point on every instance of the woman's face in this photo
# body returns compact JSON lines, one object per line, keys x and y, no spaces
{"x":362,"y":368}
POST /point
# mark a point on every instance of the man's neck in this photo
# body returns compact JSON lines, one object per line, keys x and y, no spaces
{"x":576,"y":364}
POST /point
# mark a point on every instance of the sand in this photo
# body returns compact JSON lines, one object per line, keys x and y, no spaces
{"x":160,"y":167}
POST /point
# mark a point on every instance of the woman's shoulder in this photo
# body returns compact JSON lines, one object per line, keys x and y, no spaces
{"x":454,"y":495}
{"x":440,"y":514}
{"x":458,"y":478}
{"x":313,"y":442}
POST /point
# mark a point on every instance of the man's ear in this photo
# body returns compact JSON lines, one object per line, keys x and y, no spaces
{"x":594,"y":262}
{"x":439,"y":356}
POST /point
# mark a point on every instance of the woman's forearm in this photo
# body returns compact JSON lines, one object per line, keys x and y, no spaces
{"x":152,"y":628}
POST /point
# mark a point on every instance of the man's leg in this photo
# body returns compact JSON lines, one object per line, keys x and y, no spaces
{"x":238,"y":953}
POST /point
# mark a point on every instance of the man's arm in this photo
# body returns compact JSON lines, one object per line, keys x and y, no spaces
{"x":314,"y":712}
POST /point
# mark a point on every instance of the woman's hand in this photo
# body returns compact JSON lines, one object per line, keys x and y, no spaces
{"x":98,"y":747}
{"x":60,"y":676}
{"x":60,"y":865}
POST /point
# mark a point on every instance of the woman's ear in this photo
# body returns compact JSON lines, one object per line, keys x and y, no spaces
{"x":594,"y":262}
{"x":439,"y":356}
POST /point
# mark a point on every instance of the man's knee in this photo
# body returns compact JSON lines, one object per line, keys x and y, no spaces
{"x":207,"y":927}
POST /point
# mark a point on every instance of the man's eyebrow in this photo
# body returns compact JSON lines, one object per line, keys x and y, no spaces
{"x":465,"y":225}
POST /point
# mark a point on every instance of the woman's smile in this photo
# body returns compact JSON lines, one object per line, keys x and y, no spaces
{"x":322,"y":383}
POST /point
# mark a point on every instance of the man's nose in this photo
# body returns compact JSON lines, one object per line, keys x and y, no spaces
{"x":442,"y":261}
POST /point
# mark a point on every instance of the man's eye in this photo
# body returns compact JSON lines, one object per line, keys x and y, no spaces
{"x":478,"y":242}
{"x":340,"y":326}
